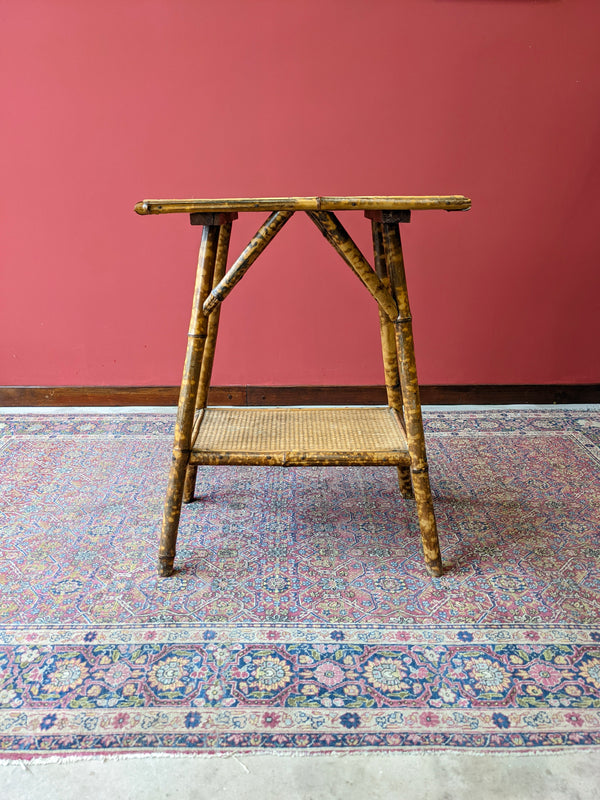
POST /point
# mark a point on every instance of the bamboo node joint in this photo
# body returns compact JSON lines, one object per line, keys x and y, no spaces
{"x":419,"y":470}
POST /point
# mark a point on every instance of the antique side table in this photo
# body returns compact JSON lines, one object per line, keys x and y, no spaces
{"x":391,"y":435}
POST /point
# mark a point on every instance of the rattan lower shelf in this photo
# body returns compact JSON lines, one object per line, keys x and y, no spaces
{"x":288,"y":437}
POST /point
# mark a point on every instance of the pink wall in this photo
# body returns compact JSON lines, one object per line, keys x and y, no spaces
{"x":107,"y":103}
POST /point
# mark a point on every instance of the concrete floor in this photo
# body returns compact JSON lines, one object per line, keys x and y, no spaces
{"x":419,"y":776}
{"x":407,"y":776}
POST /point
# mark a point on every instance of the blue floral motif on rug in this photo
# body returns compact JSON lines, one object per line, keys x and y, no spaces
{"x":300,"y":615}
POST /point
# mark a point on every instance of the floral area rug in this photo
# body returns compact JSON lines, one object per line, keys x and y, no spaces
{"x":301,"y":616}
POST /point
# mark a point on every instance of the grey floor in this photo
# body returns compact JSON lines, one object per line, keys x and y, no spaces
{"x":422,"y":776}
{"x":409,"y":776}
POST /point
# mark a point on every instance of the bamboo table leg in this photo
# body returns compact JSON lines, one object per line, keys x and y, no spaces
{"x":208,"y":355}
{"x":389,"y":350}
{"x":187,"y":400}
{"x":412,"y":405}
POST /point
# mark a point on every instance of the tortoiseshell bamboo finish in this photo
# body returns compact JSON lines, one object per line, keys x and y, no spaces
{"x":389,"y":351}
{"x":412,"y":405}
{"x":300,"y":437}
{"x":208,"y":355}
{"x":337,"y":236}
{"x":187,"y":400}
{"x":261,"y":239}
{"x":389,"y":203}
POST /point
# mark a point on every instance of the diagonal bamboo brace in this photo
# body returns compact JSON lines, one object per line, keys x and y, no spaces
{"x":260,"y":240}
{"x":339,"y":238}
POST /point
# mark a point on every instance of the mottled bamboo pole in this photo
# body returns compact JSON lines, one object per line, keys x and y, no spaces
{"x":189,"y":206}
{"x":187,"y":400}
{"x":412,"y":405}
{"x":260,"y":240}
{"x":208,"y":355}
{"x":388,"y":335}
{"x":339,"y":238}
{"x":389,"y":351}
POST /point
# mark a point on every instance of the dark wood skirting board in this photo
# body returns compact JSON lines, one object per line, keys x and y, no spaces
{"x":295,"y":395}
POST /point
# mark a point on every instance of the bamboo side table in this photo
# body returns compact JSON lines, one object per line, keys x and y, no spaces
{"x":391,"y":435}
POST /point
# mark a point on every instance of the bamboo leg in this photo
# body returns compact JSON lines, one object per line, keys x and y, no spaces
{"x":213,"y":320}
{"x":389,"y":351}
{"x":405,"y":483}
{"x":187,"y":401}
{"x":208,"y":355}
{"x":189,"y":485}
{"x":412,"y":405}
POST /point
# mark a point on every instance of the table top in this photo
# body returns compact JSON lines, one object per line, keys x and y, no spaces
{"x":361,"y":203}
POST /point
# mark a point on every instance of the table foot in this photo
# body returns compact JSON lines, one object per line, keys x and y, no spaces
{"x":165,"y":567}
{"x":435,"y":569}
{"x":190,"y":484}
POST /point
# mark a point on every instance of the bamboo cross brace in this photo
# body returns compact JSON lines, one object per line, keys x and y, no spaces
{"x":339,"y":238}
{"x":261,"y":239}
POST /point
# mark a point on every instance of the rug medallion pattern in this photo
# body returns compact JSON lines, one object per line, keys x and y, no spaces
{"x":301,"y":615}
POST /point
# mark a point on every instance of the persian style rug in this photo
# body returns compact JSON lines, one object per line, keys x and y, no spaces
{"x":301,"y":616}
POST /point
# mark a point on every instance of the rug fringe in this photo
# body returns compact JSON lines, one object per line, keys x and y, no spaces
{"x":23,"y":760}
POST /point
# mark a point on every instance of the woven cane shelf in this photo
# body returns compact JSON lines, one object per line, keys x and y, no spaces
{"x":288,"y":437}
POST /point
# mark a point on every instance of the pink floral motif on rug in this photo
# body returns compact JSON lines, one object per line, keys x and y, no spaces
{"x":300,"y":615}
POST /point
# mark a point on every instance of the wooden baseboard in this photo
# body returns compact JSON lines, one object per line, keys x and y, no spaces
{"x":295,"y":395}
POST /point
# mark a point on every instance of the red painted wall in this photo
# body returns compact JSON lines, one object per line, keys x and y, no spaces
{"x":107,"y":103}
